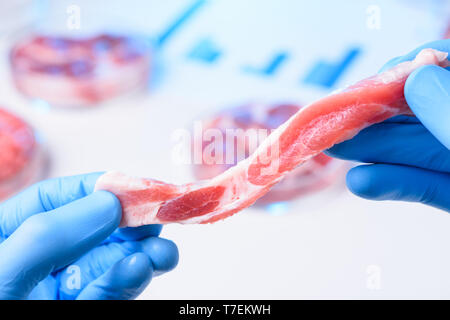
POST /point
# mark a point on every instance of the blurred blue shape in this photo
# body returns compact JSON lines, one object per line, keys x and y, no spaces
{"x":205,"y":51}
{"x":277,"y":208}
{"x":80,"y":68}
{"x":57,"y":43}
{"x":40,"y":105}
{"x":102,"y":46}
{"x":326,"y":74}
{"x":179,"y":21}
{"x":271,"y":67}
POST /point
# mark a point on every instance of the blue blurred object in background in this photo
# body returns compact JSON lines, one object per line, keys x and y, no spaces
{"x":326,"y":74}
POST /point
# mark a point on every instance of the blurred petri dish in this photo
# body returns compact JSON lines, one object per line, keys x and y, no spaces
{"x":23,"y":159}
{"x":79,"y":72}
{"x":315,"y":175}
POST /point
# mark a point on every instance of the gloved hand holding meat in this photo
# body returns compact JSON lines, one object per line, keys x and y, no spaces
{"x":409,"y":156}
{"x":59,"y":240}
{"x":317,"y":127}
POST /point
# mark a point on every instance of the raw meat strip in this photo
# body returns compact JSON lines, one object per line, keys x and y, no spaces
{"x":79,"y":71}
{"x":21,"y":156}
{"x":314,"y":175}
{"x":320,"y":125}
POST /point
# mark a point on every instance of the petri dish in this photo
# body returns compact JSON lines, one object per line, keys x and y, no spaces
{"x":80,"y":71}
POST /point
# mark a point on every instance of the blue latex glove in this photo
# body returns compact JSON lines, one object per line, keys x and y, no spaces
{"x":409,"y":156}
{"x":59,"y":240}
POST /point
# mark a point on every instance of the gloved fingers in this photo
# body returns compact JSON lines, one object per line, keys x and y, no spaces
{"x":44,"y":196}
{"x":441,"y":45}
{"x":163,"y":254}
{"x":415,"y":92}
{"x":48,"y":241}
{"x":137,"y":233}
{"x":390,"y":143}
{"x":427,"y":91}
{"x":402,"y":183}
{"x":126,"y":279}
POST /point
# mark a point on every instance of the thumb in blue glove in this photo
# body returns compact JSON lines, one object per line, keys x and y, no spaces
{"x":427,"y":92}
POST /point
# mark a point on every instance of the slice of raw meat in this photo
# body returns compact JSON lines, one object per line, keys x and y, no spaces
{"x":320,"y":125}
{"x":246,"y":121}
{"x":71,"y":72}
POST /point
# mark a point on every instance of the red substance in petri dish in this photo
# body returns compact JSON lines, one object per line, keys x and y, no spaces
{"x":314,"y":175}
{"x":20,"y":157}
{"x":79,"y":72}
